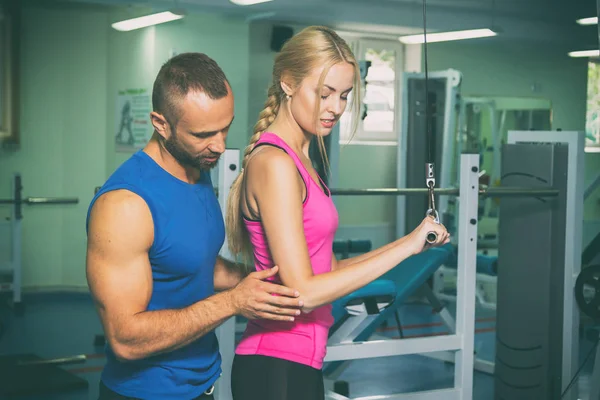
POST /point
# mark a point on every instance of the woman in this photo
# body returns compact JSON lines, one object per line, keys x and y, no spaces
{"x":281,"y":213}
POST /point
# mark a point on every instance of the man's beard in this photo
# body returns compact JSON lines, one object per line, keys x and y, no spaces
{"x":178,"y":152}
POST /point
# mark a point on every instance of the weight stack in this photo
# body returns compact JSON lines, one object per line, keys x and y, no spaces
{"x":530,"y":288}
{"x":417,"y":146}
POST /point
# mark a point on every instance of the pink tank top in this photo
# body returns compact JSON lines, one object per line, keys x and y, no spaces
{"x":304,"y":340}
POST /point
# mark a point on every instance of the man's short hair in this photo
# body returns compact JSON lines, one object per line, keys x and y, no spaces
{"x":182,"y":74}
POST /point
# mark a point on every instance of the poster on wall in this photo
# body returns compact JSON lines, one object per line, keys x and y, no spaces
{"x":133,"y":127}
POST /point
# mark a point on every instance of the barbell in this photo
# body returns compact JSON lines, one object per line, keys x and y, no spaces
{"x":495,"y":192}
{"x":41,"y":200}
{"x":483,"y":191}
{"x":18,"y":200}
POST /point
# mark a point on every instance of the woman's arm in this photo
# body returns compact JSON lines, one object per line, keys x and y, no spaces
{"x":338,"y":264}
{"x":277,"y":188}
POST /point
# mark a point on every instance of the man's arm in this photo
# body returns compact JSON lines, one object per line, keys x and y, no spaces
{"x":228,"y":274}
{"x":120,"y":279}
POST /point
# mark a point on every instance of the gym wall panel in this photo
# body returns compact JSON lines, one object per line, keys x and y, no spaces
{"x":364,"y":167}
{"x":85,"y":125}
{"x":63,"y":123}
{"x":261,"y":70}
{"x":130,"y":65}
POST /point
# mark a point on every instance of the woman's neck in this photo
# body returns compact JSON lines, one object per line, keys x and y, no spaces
{"x":288,"y":129}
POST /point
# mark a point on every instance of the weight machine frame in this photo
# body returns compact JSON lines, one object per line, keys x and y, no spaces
{"x":461,"y":341}
{"x":575,"y":140}
{"x":227,"y":170}
{"x":13,"y":269}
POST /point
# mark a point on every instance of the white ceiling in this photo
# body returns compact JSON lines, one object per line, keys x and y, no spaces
{"x":551,"y":21}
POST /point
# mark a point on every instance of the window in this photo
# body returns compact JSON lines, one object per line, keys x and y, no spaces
{"x":378,"y":119}
{"x":592,"y":128}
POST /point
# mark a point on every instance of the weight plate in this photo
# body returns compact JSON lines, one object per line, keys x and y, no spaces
{"x":587,"y":291}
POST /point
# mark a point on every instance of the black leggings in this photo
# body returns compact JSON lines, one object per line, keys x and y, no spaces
{"x":255,"y":377}
{"x":107,"y":394}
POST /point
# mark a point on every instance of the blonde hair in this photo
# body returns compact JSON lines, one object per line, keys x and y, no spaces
{"x":312,"y":47}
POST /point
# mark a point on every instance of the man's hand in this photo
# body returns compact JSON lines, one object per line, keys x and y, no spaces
{"x":253,"y":298}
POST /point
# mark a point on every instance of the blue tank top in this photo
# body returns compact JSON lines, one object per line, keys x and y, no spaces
{"x":188,"y":234}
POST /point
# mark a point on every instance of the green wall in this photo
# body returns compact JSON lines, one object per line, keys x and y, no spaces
{"x":63,"y":126}
{"x":72,"y":65}
{"x":363,"y":167}
{"x":261,"y":68}
{"x":69,"y":84}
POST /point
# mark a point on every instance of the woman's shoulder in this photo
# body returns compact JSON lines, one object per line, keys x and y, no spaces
{"x":270,"y":164}
{"x":268,"y":157}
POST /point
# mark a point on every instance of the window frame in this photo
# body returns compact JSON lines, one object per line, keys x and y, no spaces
{"x":9,"y":89}
{"x":591,"y":145}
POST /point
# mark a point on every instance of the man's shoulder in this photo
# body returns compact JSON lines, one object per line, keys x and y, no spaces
{"x":121,"y":204}
{"x":123,"y":192}
{"x":121,"y":197}
{"x":133,"y":175}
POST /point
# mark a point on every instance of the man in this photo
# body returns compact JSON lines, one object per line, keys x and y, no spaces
{"x":154,"y":232}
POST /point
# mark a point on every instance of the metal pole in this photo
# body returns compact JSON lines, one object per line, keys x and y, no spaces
{"x":518,"y":192}
{"x":391,"y":192}
{"x":466,"y":273}
{"x":17,"y":193}
{"x":453,"y":82}
{"x":16,"y":221}
{"x":595,"y":381}
{"x":485,"y":192}
{"x":593,"y":185}
{"x":229,"y":168}
{"x":56,"y":361}
{"x":40,"y":200}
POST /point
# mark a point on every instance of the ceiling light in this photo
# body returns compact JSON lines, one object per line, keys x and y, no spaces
{"x":588,"y":21}
{"x":248,"y":2}
{"x":585,"y":53}
{"x":447,"y":36}
{"x":592,"y":149}
{"x":147,"y":20}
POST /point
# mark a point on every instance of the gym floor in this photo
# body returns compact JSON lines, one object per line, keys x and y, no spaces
{"x":61,"y":325}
